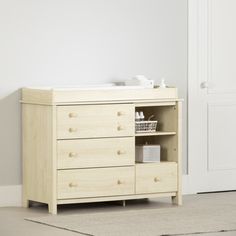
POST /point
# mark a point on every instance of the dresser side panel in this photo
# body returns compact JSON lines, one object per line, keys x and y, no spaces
{"x":38,"y":152}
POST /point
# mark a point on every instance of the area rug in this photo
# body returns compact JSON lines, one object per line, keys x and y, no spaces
{"x":195,"y":217}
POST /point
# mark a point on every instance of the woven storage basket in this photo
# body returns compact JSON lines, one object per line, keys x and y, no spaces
{"x":146,"y":126}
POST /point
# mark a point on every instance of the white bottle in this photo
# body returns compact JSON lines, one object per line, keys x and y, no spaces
{"x":137,"y":116}
{"x":163,"y":84}
{"x":141,"y":115}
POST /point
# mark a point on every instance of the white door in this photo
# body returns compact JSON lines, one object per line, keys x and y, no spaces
{"x":212,"y":94}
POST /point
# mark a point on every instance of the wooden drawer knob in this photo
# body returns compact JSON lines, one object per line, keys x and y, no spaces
{"x":73,"y":115}
{"x":156,"y":179}
{"x":119,"y":152}
{"x":73,"y":185}
{"x":120,"y":113}
{"x":119,"y":128}
{"x":72,"y":130}
{"x":119,"y":182}
{"x":73,"y":154}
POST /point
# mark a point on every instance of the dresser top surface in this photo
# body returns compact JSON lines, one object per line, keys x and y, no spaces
{"x":91,"y":95}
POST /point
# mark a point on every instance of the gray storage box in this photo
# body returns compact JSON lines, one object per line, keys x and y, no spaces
{"x":148,"y":153}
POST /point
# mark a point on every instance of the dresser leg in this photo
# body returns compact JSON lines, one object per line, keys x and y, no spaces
{"x":124,"y":203}
{"x":177,"y":200}
{"x":52,"y":208}
{"x":25,"y":203}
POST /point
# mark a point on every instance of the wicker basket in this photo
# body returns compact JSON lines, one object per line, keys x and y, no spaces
{"x":145,"y":126}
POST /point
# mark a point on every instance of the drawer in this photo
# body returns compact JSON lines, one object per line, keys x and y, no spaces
{"x":156,"y":177}
{"x":90,"y":121}
{"x":95,"y":182}
{"x":82,"y":153}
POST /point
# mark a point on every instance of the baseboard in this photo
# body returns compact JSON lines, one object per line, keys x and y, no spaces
{"x":11,"y":195}
{"x":188,"y":186}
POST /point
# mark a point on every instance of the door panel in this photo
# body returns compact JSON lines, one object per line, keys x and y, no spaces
{"x":222,"y":47}
{"x":221,"y":136}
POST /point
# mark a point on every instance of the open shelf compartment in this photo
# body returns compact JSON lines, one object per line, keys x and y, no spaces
{"x":166,"y":117}
{"x":166,"y":133}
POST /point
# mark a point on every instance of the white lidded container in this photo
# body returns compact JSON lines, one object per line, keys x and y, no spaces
{"x":147,"y":153}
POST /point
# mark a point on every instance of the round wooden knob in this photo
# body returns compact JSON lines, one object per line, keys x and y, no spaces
{"x":119,"y":182}
{"x":119,"y":152}
{"x":156,"y":179}
{"x":73,"y":185}
{"x":72,"y":130}
{"x":73,"y":154}
{"x":120,"y":113}
{"x":73,"y":115}
{"x":119,"y":128}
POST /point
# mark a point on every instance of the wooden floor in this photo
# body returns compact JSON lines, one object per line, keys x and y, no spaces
{"x":12,"y":221}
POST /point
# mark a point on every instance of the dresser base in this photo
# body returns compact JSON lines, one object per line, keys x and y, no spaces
{"x":52,"y":208}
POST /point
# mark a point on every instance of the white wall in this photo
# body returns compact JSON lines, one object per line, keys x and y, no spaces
{"x":75,"y":42}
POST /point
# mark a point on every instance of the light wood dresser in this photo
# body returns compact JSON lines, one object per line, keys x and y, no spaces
{"x":79,"y":145}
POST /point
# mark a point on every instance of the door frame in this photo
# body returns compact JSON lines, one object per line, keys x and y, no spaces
{"x":190,"y":181}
